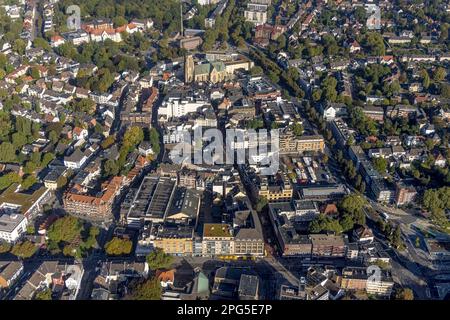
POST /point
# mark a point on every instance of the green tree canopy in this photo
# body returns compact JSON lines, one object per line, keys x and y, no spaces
{"x":117,"y":246}
{"x":158,"y":259}
{"x":65,"y":229}
{"x":45,"y":294}
{"x":4,"y":246}
{"x":404,"y":294}
{"x":24,"y":249}
{"x":148,"y":290}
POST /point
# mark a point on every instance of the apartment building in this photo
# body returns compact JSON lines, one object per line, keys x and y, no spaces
{"x":256,"y":13}
{"x":404,"y":194}
{"x":217,"y":240}
{"x":92,"y":207}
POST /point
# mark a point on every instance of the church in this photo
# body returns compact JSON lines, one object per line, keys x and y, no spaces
{"x":213,"y":72}
{"x":217,"y":67}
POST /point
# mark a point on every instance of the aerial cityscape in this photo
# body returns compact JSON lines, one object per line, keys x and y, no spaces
{"x":224,"y":150}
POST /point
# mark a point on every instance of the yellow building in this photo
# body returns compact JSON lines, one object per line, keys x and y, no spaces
{"x":276,"y":193}
{"x":290,"y":144}
{"x":175,"y":246}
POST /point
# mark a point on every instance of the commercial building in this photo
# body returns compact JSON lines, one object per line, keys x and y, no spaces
{"x":12,"y":226}
{"x":282,"y":216}
{"x":179,"y":104}
{"x":291,"y":144}
{"x":323,"y":192}
{"x":149,"y":202}
{"x":280,"y":190}
{"x":217,"y":240}
{"x":357,"y":278}
{"x":248,"y":235}
{"x":328,"y":245}
{"x":238,"y":283}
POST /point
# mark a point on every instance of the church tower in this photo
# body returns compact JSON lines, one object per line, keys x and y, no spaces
{"x":188,"y":69}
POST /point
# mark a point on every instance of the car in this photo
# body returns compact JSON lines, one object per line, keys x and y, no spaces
{"x":384,"y":215}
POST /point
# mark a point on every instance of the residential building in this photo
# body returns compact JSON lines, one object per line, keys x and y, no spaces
{"x":10,"y":272}
{"x":92,"y":207}
{"x":404,"y":194}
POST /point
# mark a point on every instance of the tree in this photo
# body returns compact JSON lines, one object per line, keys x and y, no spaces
{"x":404,"y":294}
{"x":65,"y":229}
{"x":380,"y":164}
{"x":329,"y":92}
{"x":437,"y":201}
{"x":154,"y":141}
{"x":19,"y":139}
{"x":45,"y":294}
{"x":28,"y":182}
{"x":445,"y":90}
{"x":7,"y":152}
{"x":91,"y":241}
{"x":158,"y":259}
{"x":323,"y":223}
{"x":297,"y":128}
{"x":7,"y":179}
{"x":72,"y":250}
{"x":119,"y":21}
{"x":425,"y":79}
{"x":347,"y":222}
{"x":24,"y":249}
{"x":4,"y":247}
{"x":41,"y":43}
{"x":34,"y":73}
{"x":261,"y":203}
{"x":19,"y":46}
{"x":109,"y":141}
{"x":439,"y":74}
{"x":395,"y":237}
{"x":148,"y":290}
{"x":375,"y":44}
{"x":118,"y":246}
{"x":47,"y":158}
{"x":133,"y":136}
{"x":352,"y":205}
{"x":256,"y":71}
{"x":61,"y":181}
{"x":53,"y":136}
{"x":110,"y":168}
